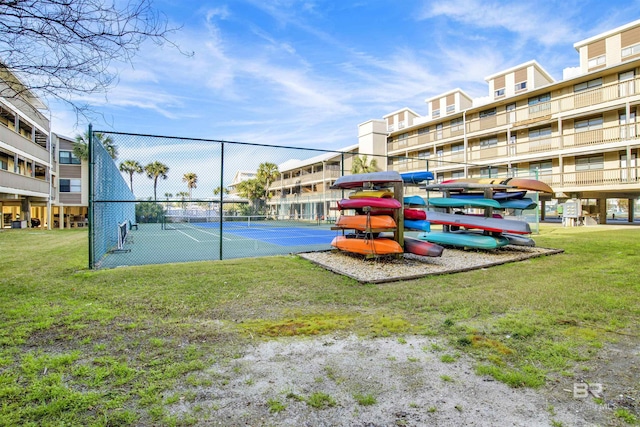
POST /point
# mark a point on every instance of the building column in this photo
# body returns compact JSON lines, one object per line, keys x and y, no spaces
{"x":602,"y":210}
{"x":542,"y":210}
{"x":631,"y":207}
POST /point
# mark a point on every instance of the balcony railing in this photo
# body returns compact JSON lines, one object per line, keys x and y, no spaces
{"x":23,"y":144}
{"x":21,"y":183}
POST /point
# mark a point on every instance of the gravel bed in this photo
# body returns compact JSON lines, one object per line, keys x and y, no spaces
{"x":386,"y":269}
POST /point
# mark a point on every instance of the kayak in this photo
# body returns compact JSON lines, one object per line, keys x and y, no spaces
{"x":414,"y":214}
{"x":365,"y":222}
{"x":372,"y":202}
{"x":366,"y":246}
{"x":422,"y":247}
{"x":366,"y":179}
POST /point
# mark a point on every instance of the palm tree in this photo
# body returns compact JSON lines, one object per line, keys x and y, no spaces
{"x":360,"y":165}
{"x":168,"y":195}
{"x":154,"y":171}
{"x":251,"y":189}
{"x":182,"y":195}
{"x":81,"y":146}
{"x":131,"y":167}
{"x":219,"y":190}
{"x":191,"y":179}
{"x":267,"y":173}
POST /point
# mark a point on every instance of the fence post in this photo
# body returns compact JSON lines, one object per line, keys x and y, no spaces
{"x":221,"y":195}
{"x":91,"y":196}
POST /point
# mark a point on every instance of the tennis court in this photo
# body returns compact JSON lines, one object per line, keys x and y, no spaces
{"x":199,"y":241}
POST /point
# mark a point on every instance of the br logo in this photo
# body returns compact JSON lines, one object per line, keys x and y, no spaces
{"x":582,"y":390}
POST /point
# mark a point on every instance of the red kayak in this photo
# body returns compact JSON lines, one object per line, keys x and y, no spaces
{"x":422,"y":247}
{"x":414,"y":214}
{"x":372,"y":202}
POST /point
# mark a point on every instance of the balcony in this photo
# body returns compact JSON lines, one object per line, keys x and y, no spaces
{"x":307,"y":178}
{"x":23,"y":144}
{"x":25,"y":185}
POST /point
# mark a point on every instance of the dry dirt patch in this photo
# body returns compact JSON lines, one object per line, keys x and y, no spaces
{"x":406,"y":377}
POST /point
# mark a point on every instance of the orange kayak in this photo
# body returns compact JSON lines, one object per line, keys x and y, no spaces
{"x":365,"y":222}
{"x":367,"y":246}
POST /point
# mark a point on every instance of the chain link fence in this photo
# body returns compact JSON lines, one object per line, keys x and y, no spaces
{"x":158,"y":199}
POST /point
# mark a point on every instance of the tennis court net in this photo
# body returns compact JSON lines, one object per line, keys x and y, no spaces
{"x":179,"y":222}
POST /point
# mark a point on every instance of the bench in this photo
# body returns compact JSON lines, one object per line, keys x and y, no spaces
{"x":133,"y":225}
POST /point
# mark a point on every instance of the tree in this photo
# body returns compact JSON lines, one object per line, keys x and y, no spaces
{"x":155,"y":171}
{"x":183,"y":195}
{"x":219,"y":190}
{"x":191,"y":179}
{"x":252,"y":190}
{"x":267,"y":173}
{"x":131,"y":167}
{"x":67,"y":48}
{"x":360,"y":165}
{"x":81,"y":146}
{"x":168,"y":195}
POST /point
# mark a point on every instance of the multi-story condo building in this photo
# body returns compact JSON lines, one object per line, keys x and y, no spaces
{"x":42,"y":183}
{"x":25,"y":156}
{"x":579,"y":135}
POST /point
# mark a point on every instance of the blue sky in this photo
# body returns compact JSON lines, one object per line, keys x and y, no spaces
{"x":306,"y":73}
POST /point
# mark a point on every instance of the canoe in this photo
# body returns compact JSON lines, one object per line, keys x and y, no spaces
{"x":498,"y":225}
{"x":448,"y":202}
{"x":416,"y":177}
{"x":465,"y":239}
{"x":414,"y":200}
{"x":366,"y":180}
{"x":497,"y":195}
{"x":417,"y":224}
{"x":381,"y":194}
{"x":525,"y":203}
{"x":422,"y":247}
{"x":367,"y":246}
{"x":520,"y":183}
{"x":372,"y":202}
{"x":414,"y":214}
{"x":365,"y":222}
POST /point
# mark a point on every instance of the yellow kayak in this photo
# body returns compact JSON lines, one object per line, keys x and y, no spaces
{"x":382,"y":194}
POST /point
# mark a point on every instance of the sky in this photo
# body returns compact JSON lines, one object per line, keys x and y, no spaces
{"x":307,"y":73}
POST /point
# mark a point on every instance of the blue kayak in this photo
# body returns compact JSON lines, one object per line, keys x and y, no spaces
{"x":452,"y":202}
{"x":465,"y":239}
{"x":416,"y":177}
{"x":525,"y":203}
{"x":414,"y":200}
{"x":417,"y":224}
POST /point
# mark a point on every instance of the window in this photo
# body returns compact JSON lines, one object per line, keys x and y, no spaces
{"x":539,"y":103}
{"x":488,"y":142}
{"x":542,"y":168}
{"x":545,"y":97}
{"x":451,"y":109}
{"x":457,"y":174}
{"x":588,"y":124}
{"x":488,"y":113}
{"x":499,"y":92}
{"x":631,"y":125}
{"x":70,"y":185}
{"x":590,"y":163}
{"x":489,"y":172}
{"x":540,"y":133}
{"x":424,"y":154}
{"x":439,"y":131}
{"x":587,"y":85}
{"x":4,"y":161}
{"x":457,"y":148}
{"x":627,"y":75}
{"x":423,"y":131}
{"x":520,"y":86}
{"x":456,"y":124}
{"x":597,"y":61}
{"x":436,"y":113}
{"x":631,"y":50}
{"x":68,"y":158}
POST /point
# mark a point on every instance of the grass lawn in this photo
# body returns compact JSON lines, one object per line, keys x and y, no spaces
{"x":112,"y":347}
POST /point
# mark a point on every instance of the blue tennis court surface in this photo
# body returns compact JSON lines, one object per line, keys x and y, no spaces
{"x":281,"y":236}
